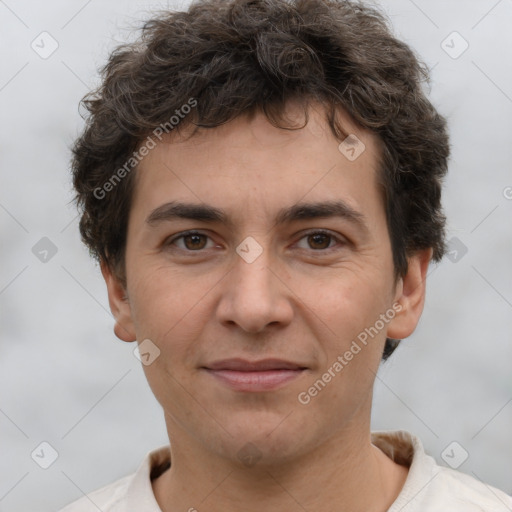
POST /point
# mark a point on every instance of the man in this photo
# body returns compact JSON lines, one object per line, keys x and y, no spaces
{"x":260,"y":181}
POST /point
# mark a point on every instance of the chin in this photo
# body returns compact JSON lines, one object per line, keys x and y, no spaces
{"x":268,"y":437}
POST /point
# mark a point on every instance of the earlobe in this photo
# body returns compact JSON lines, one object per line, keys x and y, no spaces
{"x":119,"y":305}
{"x":411,"y":296}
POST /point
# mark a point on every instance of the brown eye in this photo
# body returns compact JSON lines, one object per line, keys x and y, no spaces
{"x":322,"y":241}
{"x":192,"y":241}
{"x":319,"y":240}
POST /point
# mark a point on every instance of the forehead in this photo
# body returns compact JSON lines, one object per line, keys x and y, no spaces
{"x":249,"y":165}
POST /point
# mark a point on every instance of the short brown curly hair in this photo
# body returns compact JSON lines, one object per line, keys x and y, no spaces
{"x":238,"y":56}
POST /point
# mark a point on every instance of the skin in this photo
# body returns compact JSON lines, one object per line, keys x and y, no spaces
{"x":303,"y":300}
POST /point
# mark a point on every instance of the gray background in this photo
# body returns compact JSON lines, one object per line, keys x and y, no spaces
{"x":68,"y":381}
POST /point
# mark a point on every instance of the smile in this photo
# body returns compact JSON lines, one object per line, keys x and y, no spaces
{"x":265,"y":375}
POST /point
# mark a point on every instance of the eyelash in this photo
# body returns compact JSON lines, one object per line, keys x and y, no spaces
{"x":170,"y":242}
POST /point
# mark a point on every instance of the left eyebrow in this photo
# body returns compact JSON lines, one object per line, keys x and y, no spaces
{"x":306,"y":211}
{"x":301,"y":211}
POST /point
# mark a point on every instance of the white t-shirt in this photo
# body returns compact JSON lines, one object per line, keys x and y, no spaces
{"x":428,"y":487}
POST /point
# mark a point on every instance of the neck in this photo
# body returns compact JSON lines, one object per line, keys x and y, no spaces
{"x":345,"y":473}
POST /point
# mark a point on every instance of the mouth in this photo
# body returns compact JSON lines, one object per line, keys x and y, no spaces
{"x":254,"y":376}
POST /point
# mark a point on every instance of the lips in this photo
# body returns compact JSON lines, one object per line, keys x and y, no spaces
{"x":254,"y":376}
{"x":243,"y":365}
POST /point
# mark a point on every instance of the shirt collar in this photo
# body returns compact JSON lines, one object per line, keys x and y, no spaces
{"x":398,"y":445}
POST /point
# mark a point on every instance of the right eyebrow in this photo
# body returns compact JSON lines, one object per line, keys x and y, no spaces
{"x":178,"y":210}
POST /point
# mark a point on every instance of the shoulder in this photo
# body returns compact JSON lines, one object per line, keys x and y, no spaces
{"x":434,"y":488}
{"x":131,"y":492}
{"x":464,"y":492}
{"x":106,"y":498}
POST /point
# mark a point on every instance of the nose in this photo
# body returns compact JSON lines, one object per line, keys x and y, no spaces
{"x":255,"y":294}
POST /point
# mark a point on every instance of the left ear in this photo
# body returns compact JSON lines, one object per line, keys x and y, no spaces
{"x":410,"y":294}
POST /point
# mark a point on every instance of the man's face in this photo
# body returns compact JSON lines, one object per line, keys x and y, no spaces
{"x":260,"y":287}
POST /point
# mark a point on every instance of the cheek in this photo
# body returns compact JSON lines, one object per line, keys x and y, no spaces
{"x":350,"y":303}
{"x":161,"y":297}
{"x":349,"y":308}
{"x":171,"y":312}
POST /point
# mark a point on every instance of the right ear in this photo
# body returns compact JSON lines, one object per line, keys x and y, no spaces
{"x":124,"y":327}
